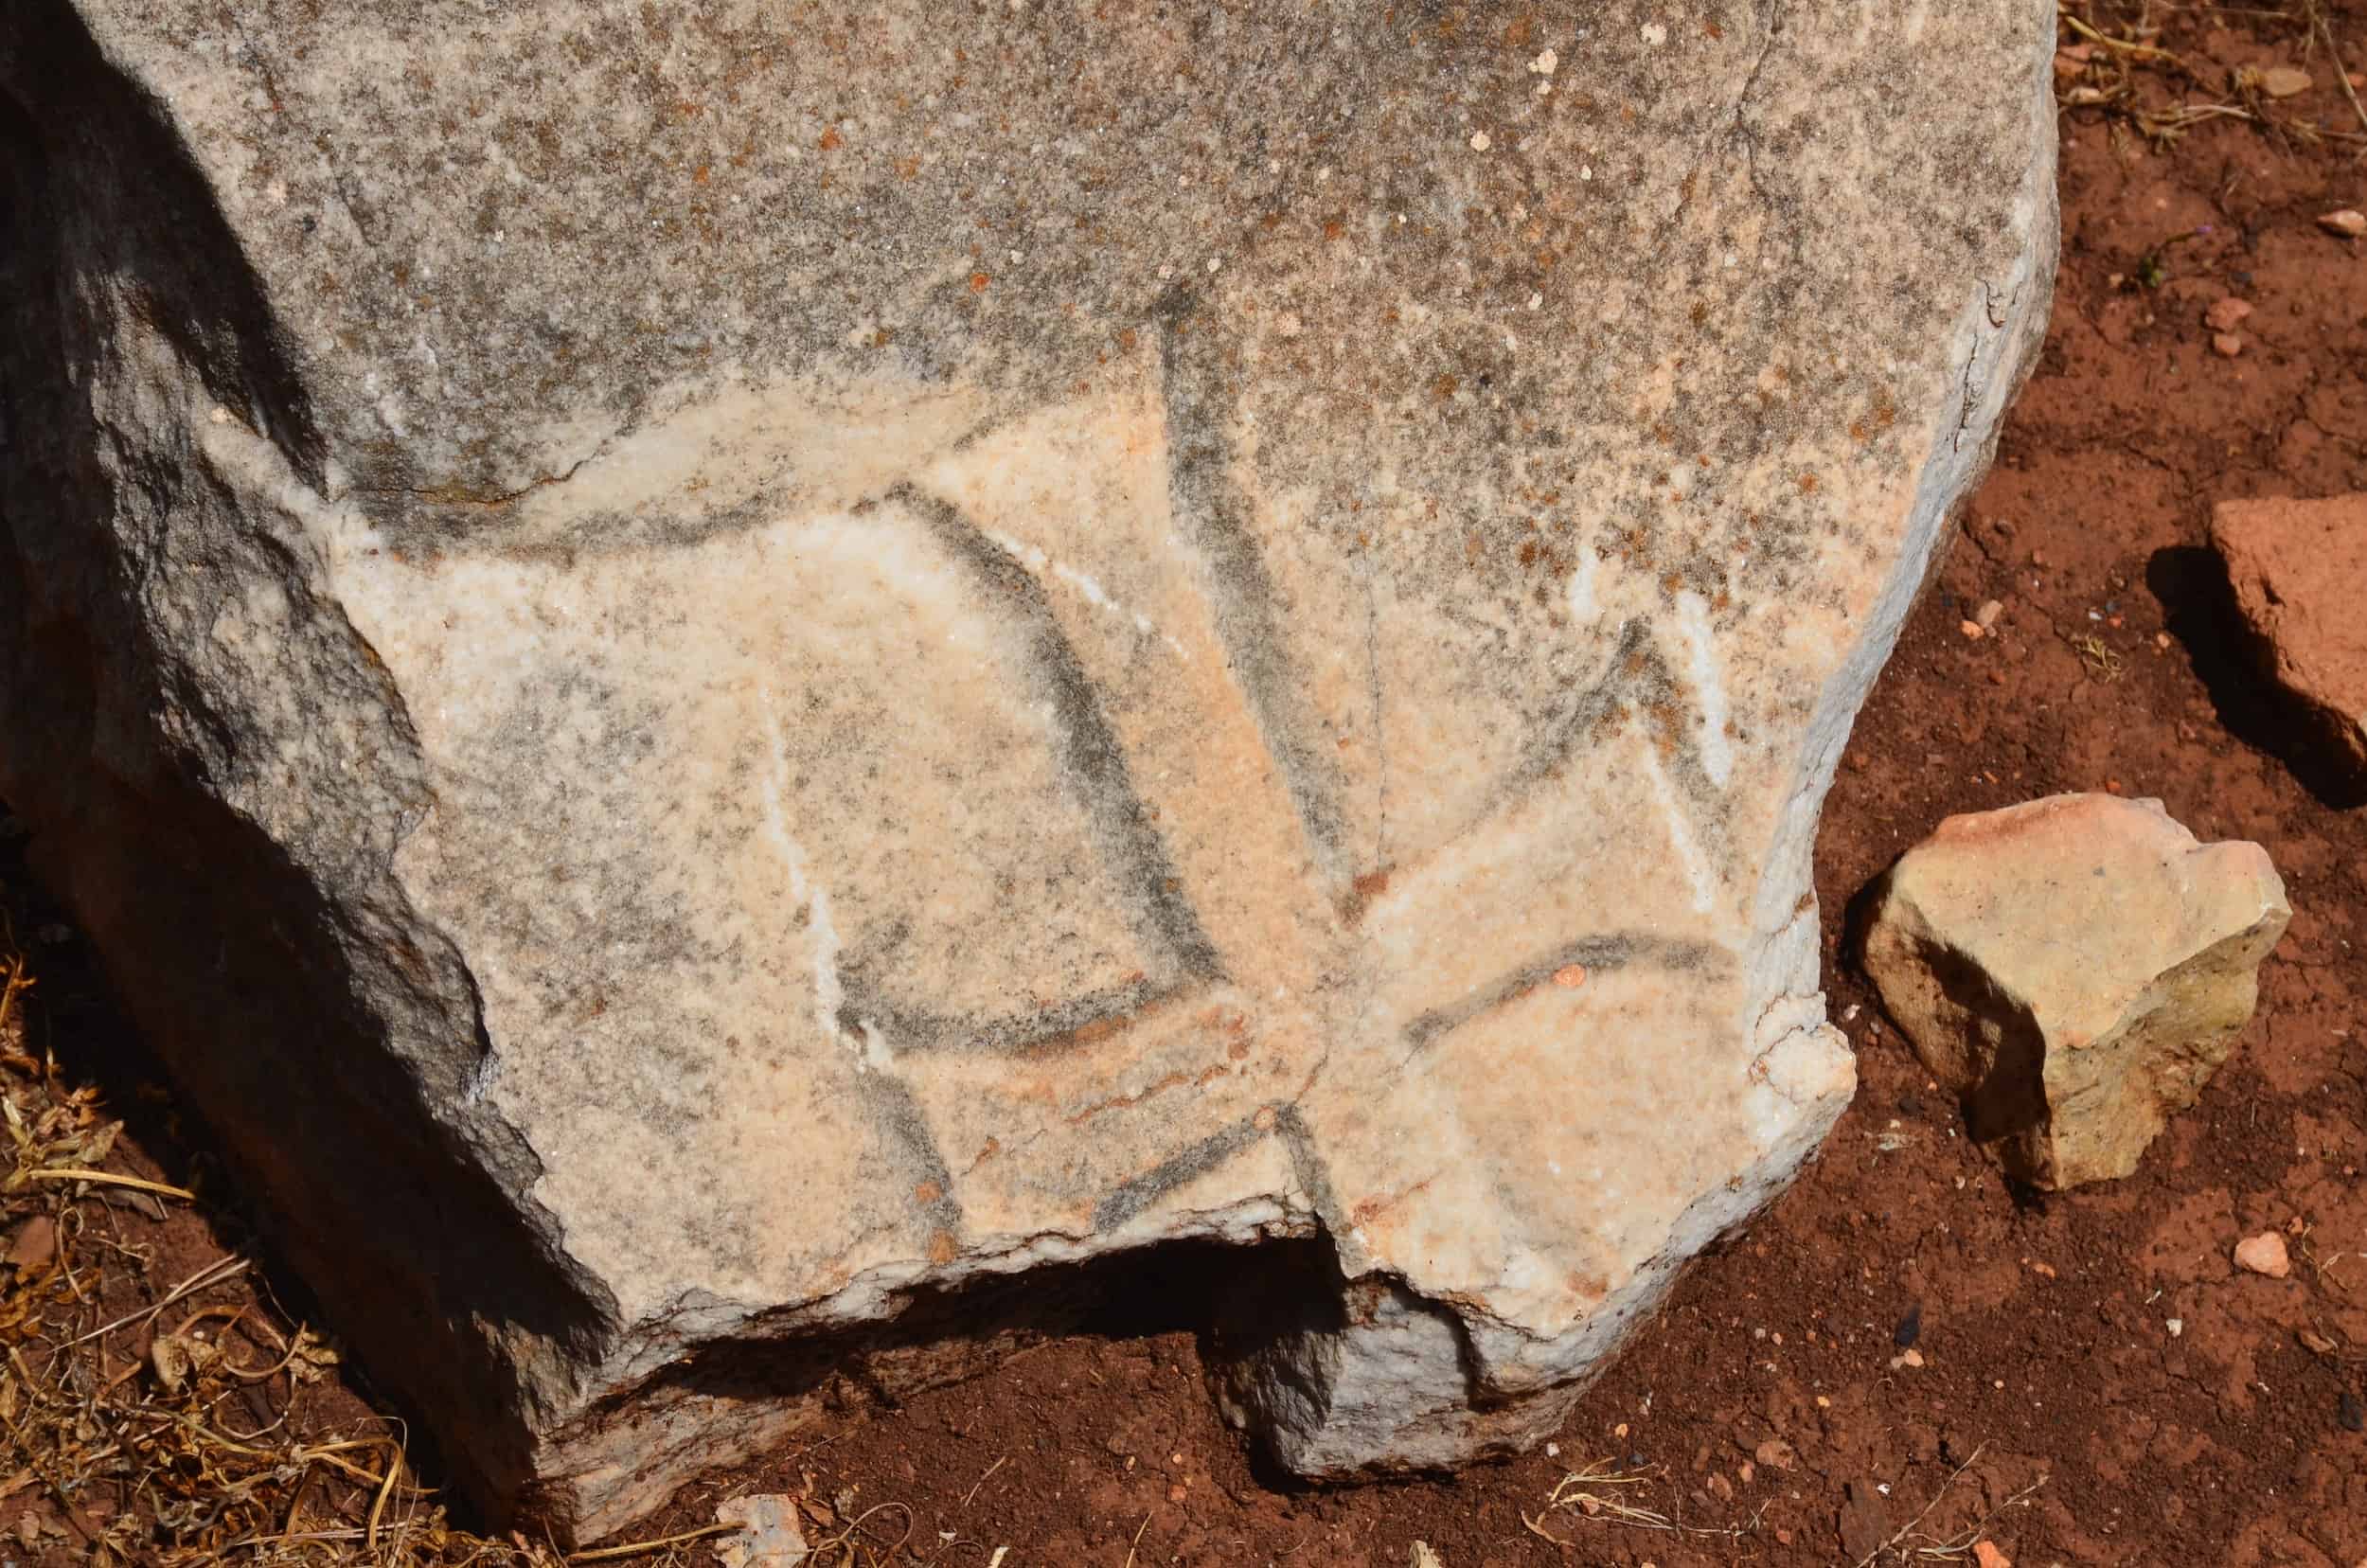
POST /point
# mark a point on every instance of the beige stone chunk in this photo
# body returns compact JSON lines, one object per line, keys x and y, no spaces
{"x":2077,"y":968}
{"x":2299,"y":569}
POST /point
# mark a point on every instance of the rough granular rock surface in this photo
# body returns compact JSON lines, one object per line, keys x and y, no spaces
{"x":718,"y":673}
{"x":2077,"y":968}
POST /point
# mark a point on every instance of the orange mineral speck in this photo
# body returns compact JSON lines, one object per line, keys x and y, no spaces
{"x":1569,"y":977}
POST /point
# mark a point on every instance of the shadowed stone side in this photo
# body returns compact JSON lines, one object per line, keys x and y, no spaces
{"x":2075,"y":968}
{"x":750,"y":675}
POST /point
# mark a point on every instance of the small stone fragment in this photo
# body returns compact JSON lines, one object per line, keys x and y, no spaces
{"x":2226,"y":315}
{"x":2280,"y":81}
{"x":2225,"y":344}
{"x":769,"y":1534}
{"x":2314,"y":1342}
{"x":35,"y":1244}
{"x":1971,"y":630}
{"x":1986,"y":618}
{"x":1776,"y":1454}
{"x":1424,"y":1558}
{"x":1988,"y":1555}
{"x":2075,"y":968}
{"x":1905,"y":1359}
{"x":2299,"y":569}
{"x":1719,"y":1487}
{"x":2264,"y":1254}
{"x":2175,"y":1326}
{"x":2347,"y":221}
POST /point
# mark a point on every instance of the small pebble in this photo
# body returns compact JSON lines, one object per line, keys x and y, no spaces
{"x":2264,"y":1254}
{"x":2280,"y":81}
{"x":2226,"y":315}
{"x":2225,"y":344}
{"x":1986,"y":615}
{"x":2176,"y":1326}
{"x":2347,"y":221}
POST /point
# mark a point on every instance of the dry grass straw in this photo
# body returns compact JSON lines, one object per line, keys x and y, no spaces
{"x":2114,"y":56}
{"x":145,"y":1420}
{"x":1607,"y":1494}
{"x":1911,"y":1544}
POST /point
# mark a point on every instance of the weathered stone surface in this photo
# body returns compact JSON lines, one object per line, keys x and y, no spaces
{"x":2299,"y":573}
{"x":2077,"y":968}
{"x":721,"y":672}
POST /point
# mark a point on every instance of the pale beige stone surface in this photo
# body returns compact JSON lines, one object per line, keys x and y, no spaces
{"x":734,"y":670}
{"x":2077,"y":968}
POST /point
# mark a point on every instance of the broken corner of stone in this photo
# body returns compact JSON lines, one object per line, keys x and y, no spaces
{"x":744,"y":738}
{"x":2075,"y":969}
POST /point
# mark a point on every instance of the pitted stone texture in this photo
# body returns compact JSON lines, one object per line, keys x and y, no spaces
{"x":731,"y":667}
{"x":2077,"y":968}
{"x":2299,"y":569}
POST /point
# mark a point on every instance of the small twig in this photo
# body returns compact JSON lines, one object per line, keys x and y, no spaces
{"x":1964,"y":1543}
{"x":1908,"y":1529}
{"x":378,"y":1505}
{"x":2341,"y":77}
{"x":835,"y":1542}
{"x":216,"y":1271}
{"x":1137,"y":1541}
{"x":107,"y":1178}
{"x":1535,"y":1528}
{"x":2122,"y":45}
{"x":609,"y":1554}
{"x":983,"y":1480}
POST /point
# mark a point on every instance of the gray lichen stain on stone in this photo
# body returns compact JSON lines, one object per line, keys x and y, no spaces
{"x":771,"y":217}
